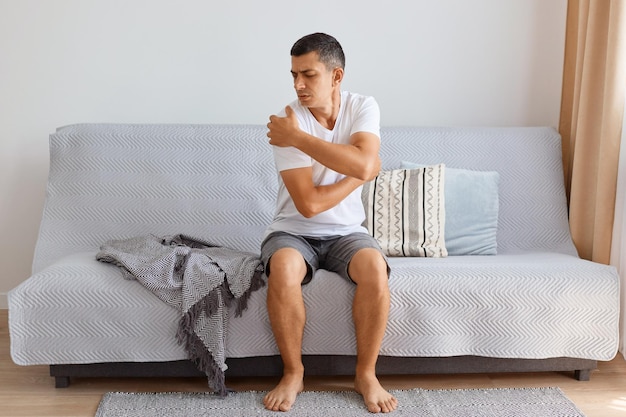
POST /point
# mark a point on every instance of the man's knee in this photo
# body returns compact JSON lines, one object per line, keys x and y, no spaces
{"x":368,"y":265}
{"x":287,"y":266}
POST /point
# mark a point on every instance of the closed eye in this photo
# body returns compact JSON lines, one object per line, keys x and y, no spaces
{"x":307,"y":74}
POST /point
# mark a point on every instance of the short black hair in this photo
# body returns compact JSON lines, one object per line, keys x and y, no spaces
{"x":328,"y":48}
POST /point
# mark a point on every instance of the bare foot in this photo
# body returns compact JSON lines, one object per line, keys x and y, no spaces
{"x":376,"y":398}
{"x":284,"y":395}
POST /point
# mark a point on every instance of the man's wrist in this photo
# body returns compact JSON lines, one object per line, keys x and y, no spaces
{"x":301,"y":140}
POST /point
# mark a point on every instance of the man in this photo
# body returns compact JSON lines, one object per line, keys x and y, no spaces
{"x":326,"y":146}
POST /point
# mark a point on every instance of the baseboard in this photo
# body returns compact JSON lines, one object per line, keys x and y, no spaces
{"x":4,"y":301}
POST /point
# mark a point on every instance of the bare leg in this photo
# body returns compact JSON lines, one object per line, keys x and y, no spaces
{"x":370,"y":310}
{"x":287,"y":315}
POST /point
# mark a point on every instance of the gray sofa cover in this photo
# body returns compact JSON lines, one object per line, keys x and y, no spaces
{"x":535,"y":305}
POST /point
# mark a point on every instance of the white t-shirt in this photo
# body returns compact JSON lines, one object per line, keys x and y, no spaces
{"x":357,"y":113}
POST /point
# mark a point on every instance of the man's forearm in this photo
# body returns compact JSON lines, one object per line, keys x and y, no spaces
{"x":349,"y":160}
{"x":326,"y":197}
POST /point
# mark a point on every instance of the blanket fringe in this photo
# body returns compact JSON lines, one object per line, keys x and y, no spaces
{"x":209,"y":305}
{"x":197,"y":351}
{"x":256,"y":283}
{"x":203,"y":359}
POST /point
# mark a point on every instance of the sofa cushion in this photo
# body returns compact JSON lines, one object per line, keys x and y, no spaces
{"x":537,"y":305}
{"x":472,"y":203}
{"x":405,"y":211}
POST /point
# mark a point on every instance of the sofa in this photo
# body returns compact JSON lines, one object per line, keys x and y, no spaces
{"x":506,"y":292}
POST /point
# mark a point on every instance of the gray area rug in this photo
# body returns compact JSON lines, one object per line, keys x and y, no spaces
{"x":531,"y":402}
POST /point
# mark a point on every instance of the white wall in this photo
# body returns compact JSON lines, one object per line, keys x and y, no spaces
{"x":444,"y":62}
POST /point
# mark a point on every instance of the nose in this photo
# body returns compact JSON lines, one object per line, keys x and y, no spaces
{"x":298,"y":82}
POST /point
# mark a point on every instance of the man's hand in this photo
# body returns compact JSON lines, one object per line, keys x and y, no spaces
{"x":283,"y":131}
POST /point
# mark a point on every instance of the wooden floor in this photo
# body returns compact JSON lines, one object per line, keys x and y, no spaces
{"x":29,"y":391}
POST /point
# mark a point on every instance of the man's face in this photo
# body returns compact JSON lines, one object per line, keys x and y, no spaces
{"x":313,"y":82}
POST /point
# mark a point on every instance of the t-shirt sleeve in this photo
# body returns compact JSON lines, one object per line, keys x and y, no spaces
{"x":366,"y":117}
{"x":290,"y":158}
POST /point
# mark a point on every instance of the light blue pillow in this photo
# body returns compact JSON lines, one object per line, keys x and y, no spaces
{"x":471,"y":201}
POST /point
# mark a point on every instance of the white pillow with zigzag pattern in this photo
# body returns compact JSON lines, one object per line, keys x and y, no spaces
{"x":405,"y":211}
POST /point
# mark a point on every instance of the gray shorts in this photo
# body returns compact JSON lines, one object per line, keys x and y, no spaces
{"x":332,"y":253}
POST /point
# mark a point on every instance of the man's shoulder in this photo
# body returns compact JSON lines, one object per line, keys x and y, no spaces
{"x":359,"y":106}
{"x":356,"y":97}
{"x":298,"y":108}
{"x":356,"y":101}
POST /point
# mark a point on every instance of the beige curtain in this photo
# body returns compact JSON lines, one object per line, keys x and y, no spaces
{"x":594,"y":81}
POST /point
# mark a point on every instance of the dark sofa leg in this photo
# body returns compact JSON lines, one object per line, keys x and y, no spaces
{"x":582,"y":374}
{"x":61,"y":381}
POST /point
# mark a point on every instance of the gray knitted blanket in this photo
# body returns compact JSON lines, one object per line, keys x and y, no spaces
{"x":199,"y":279}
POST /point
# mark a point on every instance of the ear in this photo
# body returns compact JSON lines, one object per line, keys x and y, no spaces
{"x":337,"y":76}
